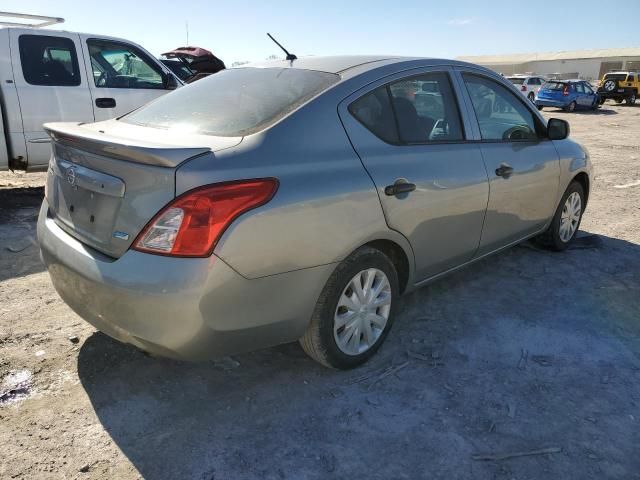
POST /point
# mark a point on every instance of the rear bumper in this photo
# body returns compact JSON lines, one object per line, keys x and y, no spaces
{"x":185,"y":308}
{"x":614,"y":95}
{"x":548,"y":102}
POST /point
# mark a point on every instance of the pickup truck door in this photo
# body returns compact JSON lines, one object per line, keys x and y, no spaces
{"x":122,"y":76}
{"x":51,"y":86}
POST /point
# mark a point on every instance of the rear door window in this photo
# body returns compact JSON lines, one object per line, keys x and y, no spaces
{"x":426,"y":109}
{"x":501,"y":115}
{"x":579,"y":87}
{"x":49,"y":60}
{"x":417,"y":110}
{"x":374,"y":111}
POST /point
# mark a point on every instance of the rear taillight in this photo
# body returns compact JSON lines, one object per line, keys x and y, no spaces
{"x":523,"y":88}
{"x":192,"y":224}
{"x":565,"y":91}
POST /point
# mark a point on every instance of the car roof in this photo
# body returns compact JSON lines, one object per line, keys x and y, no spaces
{"x":351,"y":65}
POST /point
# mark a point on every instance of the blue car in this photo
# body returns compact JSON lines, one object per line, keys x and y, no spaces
{"x":568,"y":95}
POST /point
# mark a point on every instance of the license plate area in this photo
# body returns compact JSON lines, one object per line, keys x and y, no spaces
{"x":83,"y":201}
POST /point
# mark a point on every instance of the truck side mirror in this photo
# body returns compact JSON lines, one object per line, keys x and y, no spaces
{"x":557,"y":129}
{"x":169,"y":81}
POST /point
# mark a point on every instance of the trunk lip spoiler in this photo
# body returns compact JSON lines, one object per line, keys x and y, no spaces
{"x":148,"y":153}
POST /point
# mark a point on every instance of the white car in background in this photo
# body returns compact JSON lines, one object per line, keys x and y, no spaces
{"x":527,"y":84}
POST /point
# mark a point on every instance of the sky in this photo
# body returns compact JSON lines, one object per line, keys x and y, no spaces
{"x":236,"y":30}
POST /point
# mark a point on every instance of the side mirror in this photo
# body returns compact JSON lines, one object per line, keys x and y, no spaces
{"x":169,"y":81}
{"x":557,"y":129}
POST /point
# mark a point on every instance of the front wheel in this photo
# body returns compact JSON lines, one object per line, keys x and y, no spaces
{"x":618,"y":101}
{"x":566,"y":220}
{"x":355,"y":311}
{"x":631,"y":99}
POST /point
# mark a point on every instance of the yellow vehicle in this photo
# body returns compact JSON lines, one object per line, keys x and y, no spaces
{"x":619,"y":86}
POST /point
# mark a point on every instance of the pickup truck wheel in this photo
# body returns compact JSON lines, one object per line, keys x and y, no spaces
{"x":631,"y":99}
{"x":571,"y":107}
{"x":354,"y":312}
{"x":618,"y":101}
{"x":566,"y":221}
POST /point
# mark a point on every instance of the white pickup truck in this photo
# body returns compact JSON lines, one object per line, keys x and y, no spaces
{"x":53,"y":76}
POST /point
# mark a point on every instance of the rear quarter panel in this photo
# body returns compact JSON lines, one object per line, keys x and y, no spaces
{"x":326,"y":205}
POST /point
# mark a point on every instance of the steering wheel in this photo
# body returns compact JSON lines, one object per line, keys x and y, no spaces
{"x":439,"y":124}
{"x":516,"y":133}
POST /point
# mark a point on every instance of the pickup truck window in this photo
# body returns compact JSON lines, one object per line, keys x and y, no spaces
{"x":118,"y":65}
{"x":48,"y":60}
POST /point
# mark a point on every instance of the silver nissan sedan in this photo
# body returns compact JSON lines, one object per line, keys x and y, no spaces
{"x":298,"y":200}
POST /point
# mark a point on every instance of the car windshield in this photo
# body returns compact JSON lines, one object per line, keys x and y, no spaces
{"x":233,"y":102}
{"x":180,"y":69}
{"x":516,"y":80}
{"x":554,"y":86}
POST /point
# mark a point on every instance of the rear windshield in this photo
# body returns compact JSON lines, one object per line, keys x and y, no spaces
{"x":233,"y":102}
{"x":554,"y":86}
{"x":615,"y":76}
{"x":516,"y":80}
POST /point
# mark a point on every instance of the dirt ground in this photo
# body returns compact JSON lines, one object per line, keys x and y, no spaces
{"x":524,"y":351}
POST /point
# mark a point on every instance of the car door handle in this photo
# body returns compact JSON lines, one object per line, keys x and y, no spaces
{"x":504,"y":170}
{"x":399,"y":188}
{"x":105,"y":102}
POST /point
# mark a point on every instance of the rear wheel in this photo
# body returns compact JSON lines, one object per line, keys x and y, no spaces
{"x":631,"y":99}
{"x":540,"y":107}
{"x":571,"y":107}
{"x":566,"y":220}
{"x":355,"y":311}
{"x":531,"y":97}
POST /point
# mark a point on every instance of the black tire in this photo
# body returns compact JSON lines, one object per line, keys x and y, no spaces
{"x":318,"y":341}
{"x":631,"y":99}
{"x":540,"y":107}
{"x":618,"y":101}
{"x":609,"y":85}
{"x":531,"y":97}
{"x":570,"y":108}
{"x":550,"y":239}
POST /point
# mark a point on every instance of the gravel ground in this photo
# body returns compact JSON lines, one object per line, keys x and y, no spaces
{"x":524,"y":351}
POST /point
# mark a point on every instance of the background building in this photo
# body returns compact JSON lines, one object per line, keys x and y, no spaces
{"x":585,"y":64}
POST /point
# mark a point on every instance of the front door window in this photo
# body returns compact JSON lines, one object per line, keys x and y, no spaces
{"x":118,"y":65}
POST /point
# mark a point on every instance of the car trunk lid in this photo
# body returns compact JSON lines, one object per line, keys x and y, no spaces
{"x":106,"y":182}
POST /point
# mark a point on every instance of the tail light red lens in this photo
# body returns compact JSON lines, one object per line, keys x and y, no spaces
{"x":523,"y":88}
{"x":192,"y":224}
{"x":565,"y":91}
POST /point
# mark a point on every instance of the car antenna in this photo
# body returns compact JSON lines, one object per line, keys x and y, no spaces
{"x":290,"y":56}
